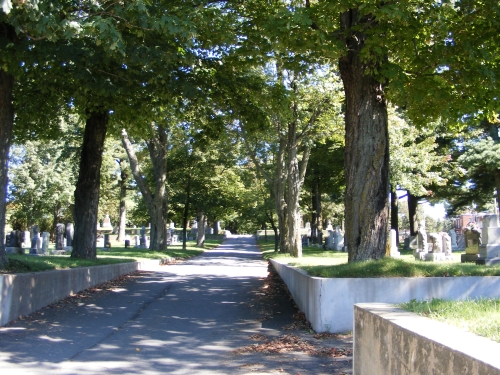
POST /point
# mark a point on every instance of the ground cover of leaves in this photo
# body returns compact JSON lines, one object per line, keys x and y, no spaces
{"x":297,"y":349}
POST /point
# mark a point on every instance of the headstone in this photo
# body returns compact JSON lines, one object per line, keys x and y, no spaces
{"x":308,"y":225}
{"x":393,"y":251}
{"x":14,"y":243}
{"x":60,"y":229}
{"x":338,"y":239}
{"x":439,"y":248}
{"x":489,"y":249}
{"x":472,"y":239}
{"x":421,"y":249}
{"x":172,"y":225}
{"x":70,"y":232}
{"x":45,"y":242}
{"x":25,"y":238}
{"x":99,"y":242}
{"x":137,"y":241}
{"x":194,"y":225}
{"x":106,"y":223}
{"x":35,"y":241}
{"x":447,"y":245}
{"x":329,"y":226}
{"x":330,"y":239}
{"x":453,"y":238}
{"x":7,"y":240}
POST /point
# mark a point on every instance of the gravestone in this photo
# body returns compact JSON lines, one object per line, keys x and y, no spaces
{"x":338,"y":239}
{"x":25,"y":238}
{"x":439,"y":247}
{"x":472,"y":241}
{"x":99,"y":242}
{"x":329,"y":239}
{"x":60,"y":229}
{"x":14,"y":243}
{"x":70,"y":233}
{"x":453,"y":238}
{"x":489,"y":249}
{"x":45,"y":242}
{"x":36,"y":241}
{"x":393,"y":243}
{"x":172,"y":225}
{"x":137,"y":241}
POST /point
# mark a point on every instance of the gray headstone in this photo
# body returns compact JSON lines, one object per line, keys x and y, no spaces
{"x":70,"y":232}
{"x":45,"y":242}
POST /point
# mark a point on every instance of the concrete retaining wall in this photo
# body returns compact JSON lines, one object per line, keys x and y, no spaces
{"x":22,"y":294}
{"x":390,"y":341}
{"x":328,"y":303}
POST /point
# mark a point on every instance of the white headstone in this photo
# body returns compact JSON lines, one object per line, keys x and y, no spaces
{"x":394,"y":253}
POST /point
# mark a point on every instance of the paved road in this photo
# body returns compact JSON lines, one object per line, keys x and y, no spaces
{"x":183,"y":319}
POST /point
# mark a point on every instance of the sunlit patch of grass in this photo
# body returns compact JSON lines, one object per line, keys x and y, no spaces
{"x":326,"y":263}
{"x":479,"y":316}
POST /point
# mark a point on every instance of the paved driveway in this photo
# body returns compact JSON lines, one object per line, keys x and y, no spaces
{"x":182,"y":319}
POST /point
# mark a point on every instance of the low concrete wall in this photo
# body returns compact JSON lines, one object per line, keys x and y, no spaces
{"x":22,"y":294}
{"x":328,"y":303}
{"x":390,"y":341}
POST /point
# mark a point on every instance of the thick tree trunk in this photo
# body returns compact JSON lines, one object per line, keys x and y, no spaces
{"x":394,"y":213}
{"x":6,"y":125}
{"x":367,"y":148}
{"x":123,"y":195}
{"x":279,"y":197}
{"x":87,"y":187}
{"x":412,"y":213}
{"x":200,"y":240}
{"x":316,"y":213}
{"x":156,"y":203}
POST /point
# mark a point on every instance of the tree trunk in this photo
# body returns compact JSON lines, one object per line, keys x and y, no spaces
{"x":367,"y":147}
{"x":200,"y":240}
{"x":497,"y":185}
{"x":6,"y":125}
{"x":316,"y":213}
{"x":412,"y":213}
{"x":123,"y":195}
{"x":186,"y":214}
{"x":156,"y":203}
{"x":87,"y":187}
{"x":394,"y":213}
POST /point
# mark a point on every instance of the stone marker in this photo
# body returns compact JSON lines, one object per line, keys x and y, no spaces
{"x":45,"y":242}
{"x":36,"y":241}
{"x":107,"y":243}
{"x":489,"y":249}
{"x":472,"y":241}
{"x":453,"y":237}
{"x":70,"y":232}
{"x":394,"y":253}
{"x":421,"y":249}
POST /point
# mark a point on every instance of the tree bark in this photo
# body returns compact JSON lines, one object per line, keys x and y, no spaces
{"x":200,"y":238}
{"x":123,"y":195}
{"x":412,"y":213}
{"x":156,"y":203}
{"x":87,"y":187}
{"x":316,"y":213}
{"x":6,"y":126}
{"x":367,"y":147}
{"x":394,"y":213}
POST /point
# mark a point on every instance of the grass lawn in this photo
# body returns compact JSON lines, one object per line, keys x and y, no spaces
{"x":481,"y":316}
{"x":328,"y":263}
{"x":27,"y":263}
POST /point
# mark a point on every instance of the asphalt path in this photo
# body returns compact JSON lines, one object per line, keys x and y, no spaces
{"x":182,"y":319}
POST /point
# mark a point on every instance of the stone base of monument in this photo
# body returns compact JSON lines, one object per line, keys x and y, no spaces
{"x":395,"y":254}
{"x":489,"y":251}
{"x":58,"y":252}
{"x":469,"y":258}
{"x":68,"y":249}
{"x":420,"y":255}
{"x":488,"y":262}
{"x":437,"y":257}
{"x":14,"y":250}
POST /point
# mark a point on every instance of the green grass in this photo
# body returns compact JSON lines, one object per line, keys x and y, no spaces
{"x":26,"y":263}
{"x":327,"y":263}
{"x":481,"y":316}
